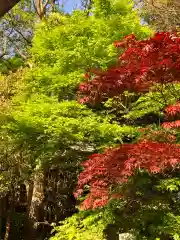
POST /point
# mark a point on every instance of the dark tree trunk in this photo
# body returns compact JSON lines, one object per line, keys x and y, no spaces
{"x":9,"y":214}
{"x":3,"y":216}
{"x":6,"y":5}
{"x":112,"y":232}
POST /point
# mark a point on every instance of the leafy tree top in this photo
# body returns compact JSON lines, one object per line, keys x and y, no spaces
{"x":65,"y":47}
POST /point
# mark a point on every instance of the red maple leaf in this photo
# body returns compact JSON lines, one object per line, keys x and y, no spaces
{"x":142,"y":64}
{"x":114,"y":166}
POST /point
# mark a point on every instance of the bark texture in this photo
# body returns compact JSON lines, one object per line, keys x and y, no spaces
{"x":6,"y":5}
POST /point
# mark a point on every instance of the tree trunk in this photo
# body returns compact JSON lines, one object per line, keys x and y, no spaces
{"x":40,"y":8}
{"x":6,"y":5}
{"x":35,"y":207}
{"x":30,"y":196}
{"x":9,"y":214}
{"x":30,"y":232}
{"x":1,"y":216}
{"x":8,"y":227}
{"x":112,"y":232}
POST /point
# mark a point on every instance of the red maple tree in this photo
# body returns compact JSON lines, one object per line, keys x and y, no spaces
{"x":142,"y":64}
{"x":114,"y":166}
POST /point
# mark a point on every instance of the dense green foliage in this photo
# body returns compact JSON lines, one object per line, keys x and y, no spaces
{"x":85,"y":225}
{"x":40,"y":117}
{"x":67,"y":46}
{"x":46,"y":131}
{"x":63,"y":48}
{"x":42,"y":125}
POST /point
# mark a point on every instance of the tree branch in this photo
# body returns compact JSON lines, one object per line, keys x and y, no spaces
{"x":20,"y":33}
{"x":6,"y":5}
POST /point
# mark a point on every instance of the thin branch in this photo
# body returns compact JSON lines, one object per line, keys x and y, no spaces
{"x":20,"y":33}
{"x":18,"y":50}
{"x":34,"y":5}
{"x":45,"y":4}
{"x":27,"y":40}
{"x":52,"y":5}
{"x":20,"y":53}
{"x":37,"y":7}
{"x":40,"y":7}
{"x":2,"y":55}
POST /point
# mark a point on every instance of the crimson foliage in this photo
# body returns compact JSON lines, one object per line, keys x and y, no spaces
{"x":172,"y":111}
{"x":114,"y":166}
{"x":142,"y":64}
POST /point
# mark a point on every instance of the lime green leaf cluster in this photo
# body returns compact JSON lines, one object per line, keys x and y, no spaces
{"x":87,"y":225}
{"x":67,"y":120}
{"x":82,"y":226}
{"x":171,"y":185}
{"x":46,"y":115}
{"x":65,"y":47}
{"x":154,"y":101}
{"x":47,"y":125}
{"x":44,"y":123}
